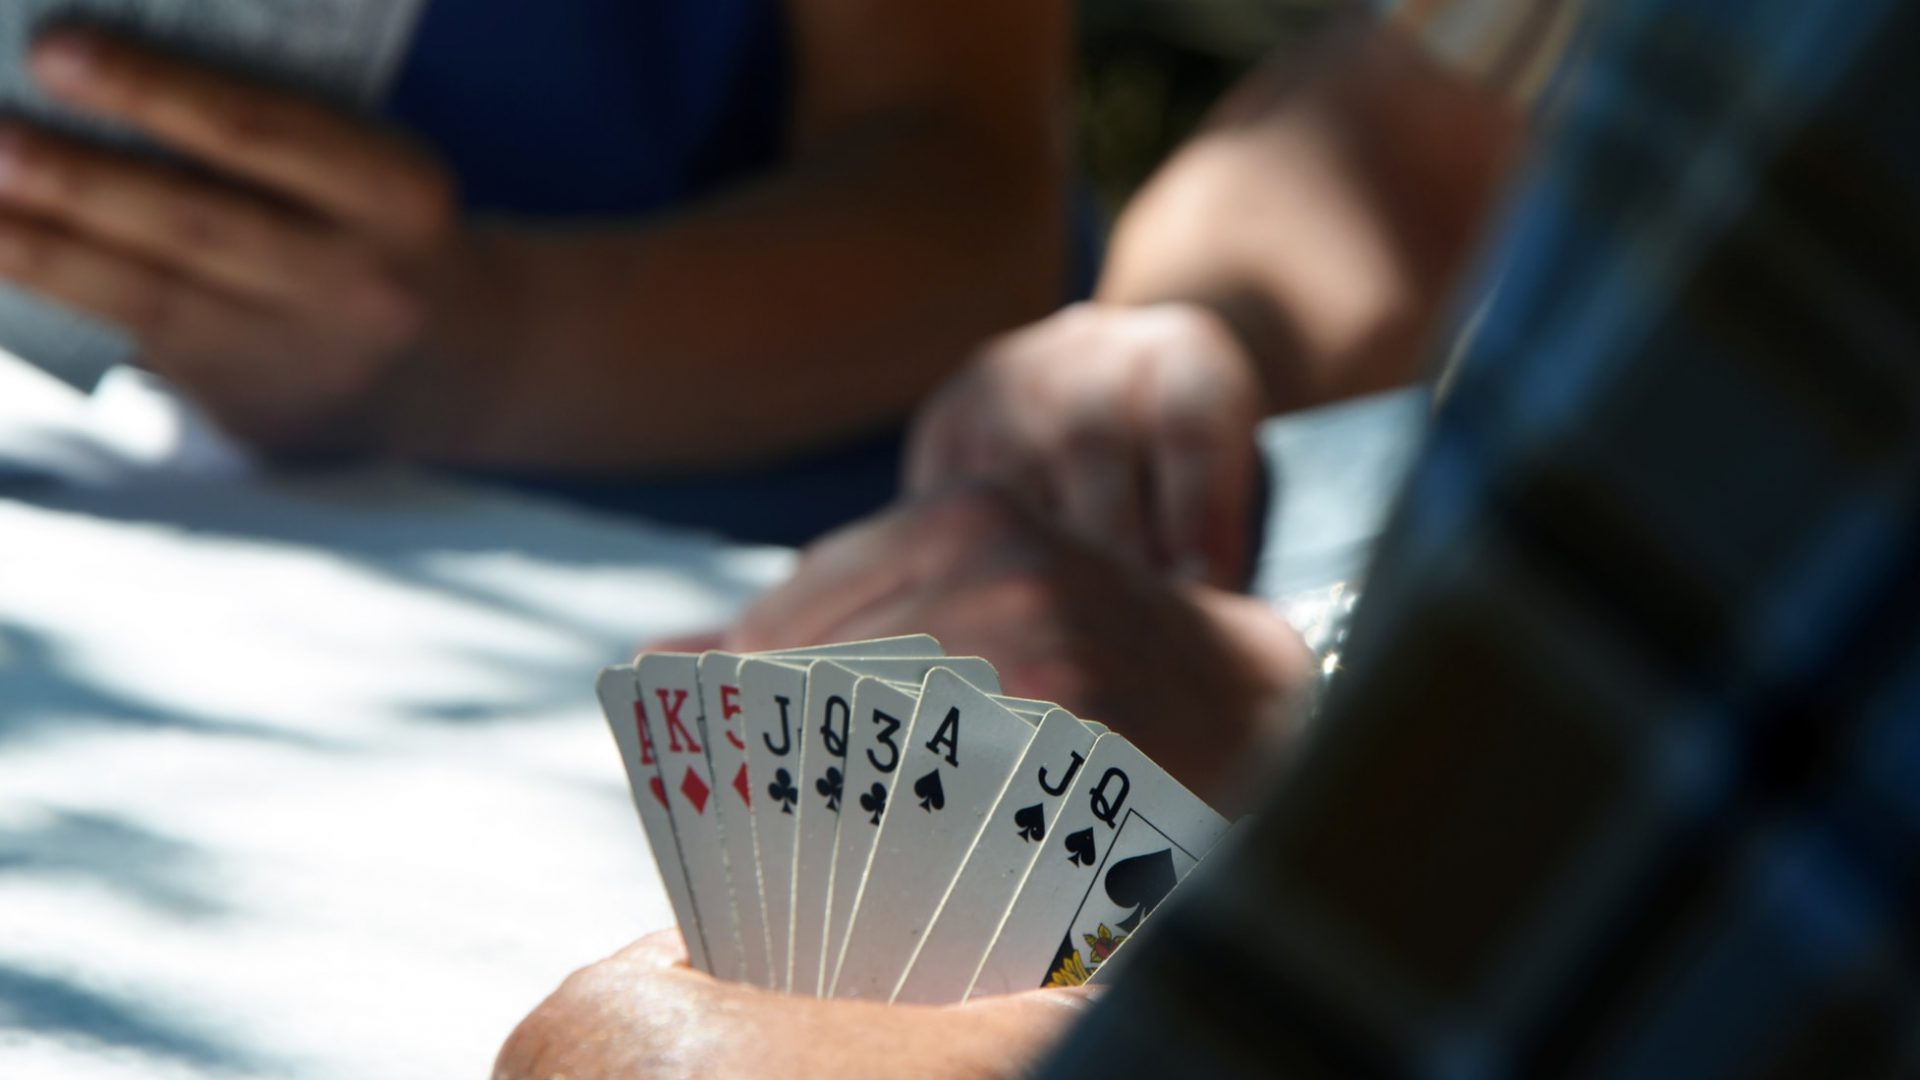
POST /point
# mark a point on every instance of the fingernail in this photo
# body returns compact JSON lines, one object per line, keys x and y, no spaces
{"x":65,"y":61}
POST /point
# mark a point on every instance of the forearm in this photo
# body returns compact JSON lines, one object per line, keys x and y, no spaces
{"x":821,"y":302}
{"x":1326,"y":214}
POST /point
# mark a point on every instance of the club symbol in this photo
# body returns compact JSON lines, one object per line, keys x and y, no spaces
{"x":1032,"y":822}
{"x":1080,"y":847}
{"x":783,"y":791}
{"x":930,"y":792}
{"x":874,"y":802}
{"x":829,"y":788}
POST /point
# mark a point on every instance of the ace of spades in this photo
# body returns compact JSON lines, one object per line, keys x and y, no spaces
{"x":942,"y":967}
{"x":961,"y":748}
{"x":931,"y":792}
{"x":826,"y":763}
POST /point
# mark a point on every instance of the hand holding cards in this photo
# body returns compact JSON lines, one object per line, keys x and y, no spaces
{"x":873,"y":821}
{"x":344,"y":52}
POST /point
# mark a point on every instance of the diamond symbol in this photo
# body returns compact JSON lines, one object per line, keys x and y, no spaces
{"x":740,"y":785}
{"x":696,"y":790}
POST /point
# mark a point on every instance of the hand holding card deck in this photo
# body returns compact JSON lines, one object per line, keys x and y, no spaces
{"x":872,"y":820}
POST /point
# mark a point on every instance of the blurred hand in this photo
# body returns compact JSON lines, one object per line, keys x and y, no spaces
{"x":1134,"y":425}
{"x":1193,"y":675}
{"x":644,"y":1012}
{"x":277,"y":277}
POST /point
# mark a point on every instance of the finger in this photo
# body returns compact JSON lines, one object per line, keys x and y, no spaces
{"x":1099,"y":489}
{"x":169,"y":317}
{"x":1075,"y":999}
{"x":870,"y":563}
{"x":1201,"y":499}
{"x":1013,"y":620}
{"x":300,"y":149}
{"x":660,"y":949}
{"x":1013,"y":471}
{"x":935,"y":446}
{"x":236,"y":243}
{"x":972,"y":615}
{"x":993,"y":451}
{"x":838,"y":577}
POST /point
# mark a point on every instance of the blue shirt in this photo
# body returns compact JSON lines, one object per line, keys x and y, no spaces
{"x":597,"y":108}
{"x":561,"y":109}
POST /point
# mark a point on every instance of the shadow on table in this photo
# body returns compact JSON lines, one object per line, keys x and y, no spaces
{"x":153,"y":870}
{"x":40,"y":695}
{"x":156,"y":871}
{"x":395,"y":524}
{"x":57,"y":1009}
{"x":401,"y":529}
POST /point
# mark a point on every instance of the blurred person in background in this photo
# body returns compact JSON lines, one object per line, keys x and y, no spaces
{"x":733,"y":241}
{"x":1619,"y":780}
{"x":1305,"y":247}
{"x":1086,"y":488}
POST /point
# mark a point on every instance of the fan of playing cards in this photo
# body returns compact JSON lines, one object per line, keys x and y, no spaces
{"x":873,"y":820}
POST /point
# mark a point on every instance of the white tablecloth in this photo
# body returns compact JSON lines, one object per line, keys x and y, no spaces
{"x":306,"y":779}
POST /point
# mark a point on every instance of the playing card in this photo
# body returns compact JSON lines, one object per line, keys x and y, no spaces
{"x":960,"y":750}
{"x":774,"y":693}
{"x":619,"y":691}
{"x":1128,"y":834}
{"x":670,"y":701}
{"x":723,"y":711}
{"x":1016,"y":832}
{"x":1217,"y":861}
{"x":726,"y":745}
{"x":870,"y":648}
{"x":882,"y":711}
{"x":773,"y":690}
{"x":823,"y":762}
{"x":1025,"y":706}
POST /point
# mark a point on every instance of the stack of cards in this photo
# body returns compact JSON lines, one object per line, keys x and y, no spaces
{"x":873,"y":820}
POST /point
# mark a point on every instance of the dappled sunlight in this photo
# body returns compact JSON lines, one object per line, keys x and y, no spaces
{"x":266,"y":741}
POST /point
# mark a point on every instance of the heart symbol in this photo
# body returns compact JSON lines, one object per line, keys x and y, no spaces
{"x":1080,"y":847}
{"x":1032,"y":822}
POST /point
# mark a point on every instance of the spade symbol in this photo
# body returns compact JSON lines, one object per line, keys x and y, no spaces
{"x":1080,"y":847}
{"x":932,"y":795}
{"x":1140,"y":883}
{"x":783,"y":791}
{"x":1031,"y":822}
{"x":874,"y":802}
{"x":829,"y":788}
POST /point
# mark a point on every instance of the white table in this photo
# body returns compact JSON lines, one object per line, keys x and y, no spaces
{"x":306,"y":780}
